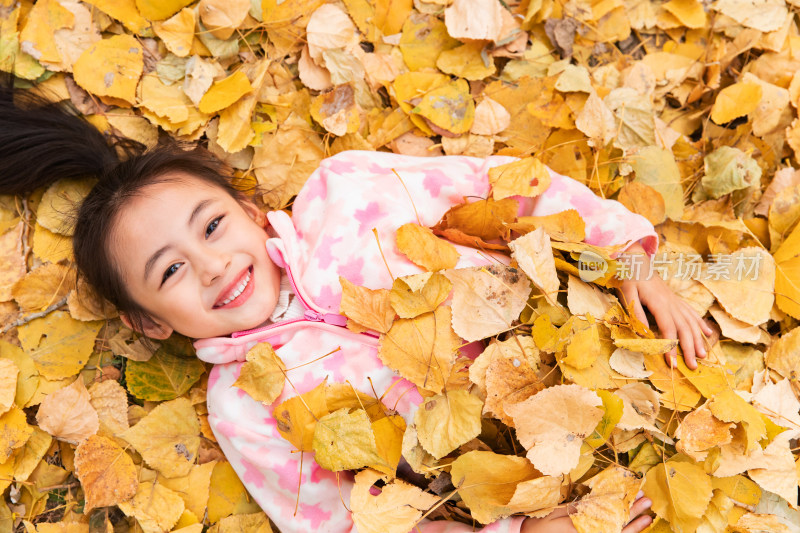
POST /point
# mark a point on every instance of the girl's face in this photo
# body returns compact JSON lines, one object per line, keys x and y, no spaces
{"x":194,"y":258}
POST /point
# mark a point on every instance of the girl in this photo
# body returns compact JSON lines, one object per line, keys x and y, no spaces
{"x":165,"y":237}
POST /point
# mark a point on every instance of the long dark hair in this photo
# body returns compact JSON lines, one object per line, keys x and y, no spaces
{"x":42,"y":142}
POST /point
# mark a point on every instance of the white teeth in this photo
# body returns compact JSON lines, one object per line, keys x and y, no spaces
{"x":237,"y":291}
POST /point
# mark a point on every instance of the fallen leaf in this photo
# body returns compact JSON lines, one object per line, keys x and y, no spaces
{"x":491,"y":118}
{"x":535,"y":257}
{"x":474,"y":19}
{"x":8,"y":384}
{"x":344,"y":441}
{"x":735,"y":101}
{"x":43,"y":286}
{"x":446,"y":421}
{"x":59,"y":345}
{"x":395,"y":509}
{"x":263,"y":374}
{"x":607,"y":506}
{"x":110,"y":400}
{"x":524,"y":177}
{"x":177,"y":32}
{"x":167,"y":438}
{"x":552,"y":424}
{"x":700,"y":431}
{"x":155,"y":507}
{"x":680,"y":492}
{"x":414,"y":295}
{"x":486,"y":300}
{"x":107,"y":473}
{"x":424,"y":249}
{"x":15,"y":432}
{"x":223,"y":18}
{"x":730,"y":407}
{"x":68,"y":415}
{"x":111,"y":67}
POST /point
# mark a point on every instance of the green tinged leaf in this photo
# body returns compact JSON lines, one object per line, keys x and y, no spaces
{"x":171,"y":372}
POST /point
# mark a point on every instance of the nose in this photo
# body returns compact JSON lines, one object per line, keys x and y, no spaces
{"x":212,"y":265}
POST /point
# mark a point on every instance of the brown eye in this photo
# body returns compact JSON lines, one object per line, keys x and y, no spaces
{"x":212,"y":226}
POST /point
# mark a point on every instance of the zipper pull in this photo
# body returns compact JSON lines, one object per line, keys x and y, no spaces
{"x":329,"y":318}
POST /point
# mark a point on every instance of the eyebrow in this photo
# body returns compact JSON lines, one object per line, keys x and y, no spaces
{"x":156,"y":256}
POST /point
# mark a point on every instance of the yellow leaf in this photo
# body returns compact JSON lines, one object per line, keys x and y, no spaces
{"x":513,"y":374}
{"x":446,"y":421}
{"x":486,"y":219}
{"x":262,"y":376}
{"x":735,"y":100}
{"x":486,"y":300}
{"x":566,"y":226}
{"x":535,"y":257}
{"x":160,"y":9}
{"x":395,"y":509}
{"x":730,"y":407}
{"x":421,"y":349}
{"x":14,"y":432}
{"x":467,"y":61}
{"x":280,"y":170}
{"x":474,"y":19}
{"x":44,"y":286}
{"x":647,"y":346}
{"x":168,"y":437}
{"x":369,"y":308}
{"x":449,"y":107}
{"x":297,"y":416}
{"x":60,"y":202}
{"x":107,"y":473}
{"x":154,"y":506}
{"x":28,"y":378}
{"x":488,"y":481}
{"x":424,"y":38}
{"x":111,"y":67}
{"x":424,"y":249}
{"x":677,"y":392}
{"x":223,"y":17}
{"x":67,"y":414}
{"x":756,"y":523}
{"x":50,"y":247}
{"x":59,"y":345}
{"x":607,"y":506}
{"x":240,"y":523}
{"x":787,"y":275}
{"x":583,"y":343}
{"x":613,"y":407}
{"x":225,"y":93}
{"x":8,"y":384}
{"x":29,"y":457}
{"x":700,"y":431}
{"x":680,"y":492}
{"x":124,"y":11}
{"x":524,"y":177}
{"x":552,"y":424}
{"x":738,"y":488}
{"x":193,"y":488}
{"x":344,"y":441}
{"x":37,"y":36}
{"x":414,"y":295}
{"x":643,"y":200}
{"x":227,"y":495}
{"x":390,"y":16}
{"x":388,"y":433}
{"x":692,"y":15}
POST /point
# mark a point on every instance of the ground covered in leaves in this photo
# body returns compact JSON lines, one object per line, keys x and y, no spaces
{"x":684,"y":111}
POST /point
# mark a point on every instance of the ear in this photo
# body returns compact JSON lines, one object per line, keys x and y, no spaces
{"x":149,"y":327}
{"x":252,"y":210}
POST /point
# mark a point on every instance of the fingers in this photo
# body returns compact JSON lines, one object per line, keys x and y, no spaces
{"x":638,"y":523}
{"x":686,"y":337}
{"x":695,"y":323}
{"x":631,"y":295}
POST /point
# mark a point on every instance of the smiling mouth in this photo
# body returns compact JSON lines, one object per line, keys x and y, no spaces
{"x":233,"y":295}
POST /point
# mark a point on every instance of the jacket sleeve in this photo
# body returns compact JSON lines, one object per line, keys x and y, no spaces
{"x":271,"y":472}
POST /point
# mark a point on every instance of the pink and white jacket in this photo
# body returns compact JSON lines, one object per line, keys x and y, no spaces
{"x":330,"y":235}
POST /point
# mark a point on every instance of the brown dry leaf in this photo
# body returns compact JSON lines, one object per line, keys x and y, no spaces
{"x":510,"y":377}
{"x":396,"y":509}
{"x":597,"y":121}
{"x":700,"y":431}
{"x":486,"y":219}
{"x":607,"y":506}
{"x":168,"y":437}
{"x":553,"y":423}
{"x":424,"y":249}
{"x":414,"y":295}
{"x":487,"y":483}
{"x":110,"y":400}
{"x":446,"y":421}
{"x":263,"y":375}
{"x":644,"y":200}
{"x":107,"y":473}
{"x":535,"y":257}
{"x":68,"y":415}
{"x":421,"y":349}
{"x":677,"y":392}
{"x":486,"y":300}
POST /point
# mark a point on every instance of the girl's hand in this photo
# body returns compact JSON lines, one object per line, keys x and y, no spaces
{"x":559,"y":522}
{"x":676,"y":319}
